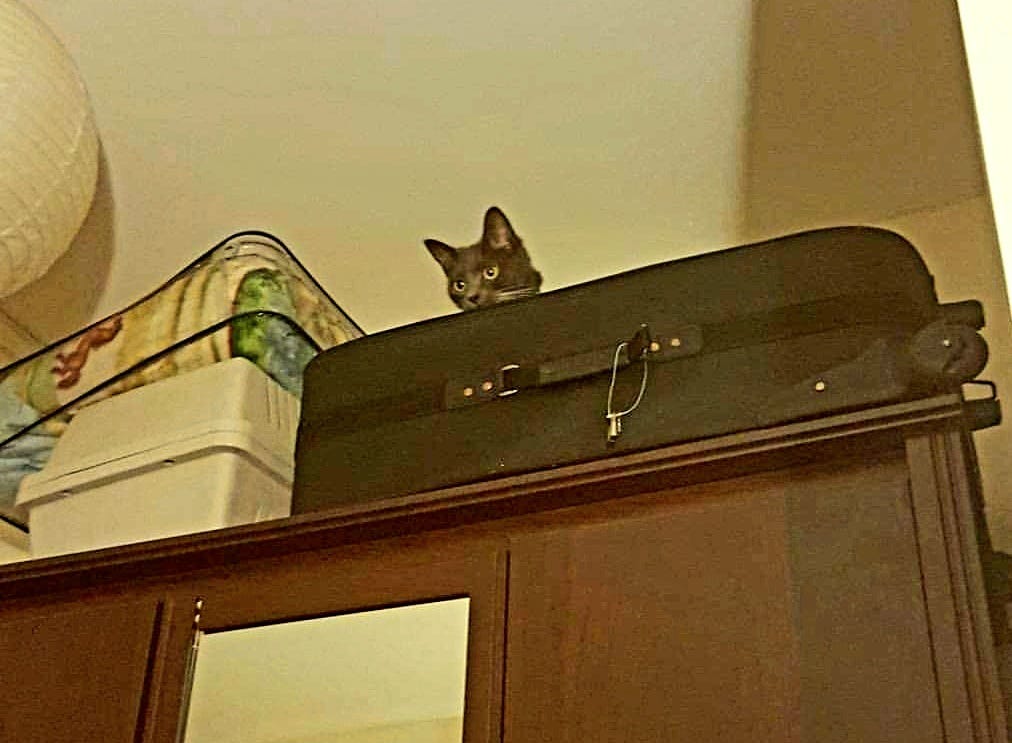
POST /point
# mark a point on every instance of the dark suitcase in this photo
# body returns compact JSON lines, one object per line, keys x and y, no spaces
{"x":748,"y":337}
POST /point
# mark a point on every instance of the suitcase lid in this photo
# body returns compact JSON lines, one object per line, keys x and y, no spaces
{"x":803,"y":283}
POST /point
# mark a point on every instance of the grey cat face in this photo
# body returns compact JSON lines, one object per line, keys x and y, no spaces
{"x":495,"y":269}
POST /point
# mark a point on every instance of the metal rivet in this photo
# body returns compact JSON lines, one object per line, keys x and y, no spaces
{"x":487,"y":386}
{"x":655,"y":346}
{"x":820,"y":386}
{"x":676,"y":342}
{"x":947,"y":343}
{"x":468,"y":391}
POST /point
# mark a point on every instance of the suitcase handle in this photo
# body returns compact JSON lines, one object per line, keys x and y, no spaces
{"x":969,"y":312}
{"x":983,"y":412}
{"x":680,"y":341}
{"x":509,"y":379}
{"x":514,"y":377}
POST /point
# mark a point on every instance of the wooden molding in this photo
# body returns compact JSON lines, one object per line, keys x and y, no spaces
{"x":861,"y":435}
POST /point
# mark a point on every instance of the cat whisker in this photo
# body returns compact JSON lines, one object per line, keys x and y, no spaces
{"x":509,"y":295}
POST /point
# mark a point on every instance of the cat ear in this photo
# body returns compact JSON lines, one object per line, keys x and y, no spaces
{"x":443,"y":253}
{"x":498,"y":232}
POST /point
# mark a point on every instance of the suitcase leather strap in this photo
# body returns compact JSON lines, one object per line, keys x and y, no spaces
{"x":682,"y":340}
{"x":685,"y":340}
{"x":508,"y":379}
{"x":675,"y":341}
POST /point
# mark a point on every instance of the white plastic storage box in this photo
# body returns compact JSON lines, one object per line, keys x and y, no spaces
{"x":210,"y":448}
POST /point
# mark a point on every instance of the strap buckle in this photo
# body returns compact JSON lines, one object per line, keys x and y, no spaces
{"x":502,"y":382}
{"x":639,"y":344}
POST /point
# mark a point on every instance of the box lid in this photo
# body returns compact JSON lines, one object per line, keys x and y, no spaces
{"x":232,"y":436}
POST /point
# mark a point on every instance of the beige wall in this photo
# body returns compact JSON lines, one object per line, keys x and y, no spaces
{"x":857,"y":109}
{"x":611,"y":133}
{"x":987,"y":28}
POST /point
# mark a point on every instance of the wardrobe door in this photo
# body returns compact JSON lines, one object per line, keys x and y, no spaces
{"x":786,"y":607}
{"x":398,"y":640}
{"x":75,"y":672}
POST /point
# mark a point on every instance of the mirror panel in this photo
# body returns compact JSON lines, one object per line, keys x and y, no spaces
{"x":391,"y":675}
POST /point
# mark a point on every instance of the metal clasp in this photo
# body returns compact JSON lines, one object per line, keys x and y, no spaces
{"x":614,"y":417}
{"x":504,"y":389}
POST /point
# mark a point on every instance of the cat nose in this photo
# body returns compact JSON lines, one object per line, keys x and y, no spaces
{"x":473,"y":299}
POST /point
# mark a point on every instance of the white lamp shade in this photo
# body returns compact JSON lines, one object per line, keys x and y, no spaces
{"x":48,"y":148}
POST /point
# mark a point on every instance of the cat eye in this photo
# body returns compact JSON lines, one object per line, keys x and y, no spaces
{"x":491,"y":272}
{"x":459,"y":286}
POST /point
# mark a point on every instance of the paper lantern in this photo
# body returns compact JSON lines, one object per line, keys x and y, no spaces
{"x":48,"y":148}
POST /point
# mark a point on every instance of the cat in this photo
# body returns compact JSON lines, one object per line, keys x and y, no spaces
{"x":495,"y":269}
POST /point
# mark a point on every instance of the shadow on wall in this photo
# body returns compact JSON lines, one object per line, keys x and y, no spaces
{"x":862,"y":113}
{"x":857,"y":112}
{"x":63,"y":300}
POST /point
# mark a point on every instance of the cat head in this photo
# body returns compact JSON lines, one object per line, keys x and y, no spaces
{"x":495,"y":269}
